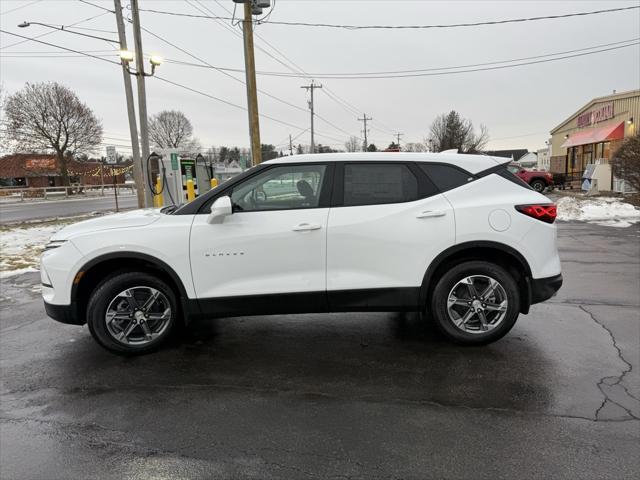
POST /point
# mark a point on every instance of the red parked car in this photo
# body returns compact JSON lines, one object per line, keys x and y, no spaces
{"x":539,"y":181}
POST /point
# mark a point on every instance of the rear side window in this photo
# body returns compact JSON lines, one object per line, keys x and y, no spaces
{"x":378,"y":183}
{"x":508,"y":173}
{"x":446,"y":177}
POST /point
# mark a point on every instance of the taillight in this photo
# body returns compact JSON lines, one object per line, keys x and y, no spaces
{"x":545,"y":212}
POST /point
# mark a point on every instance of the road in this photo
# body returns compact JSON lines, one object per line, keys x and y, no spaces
{"x":339,"y":396}
{"x":25,"y":211}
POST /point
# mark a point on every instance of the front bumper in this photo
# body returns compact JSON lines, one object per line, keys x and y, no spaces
{"x":544,"y":288}
{"x":63,"y":313}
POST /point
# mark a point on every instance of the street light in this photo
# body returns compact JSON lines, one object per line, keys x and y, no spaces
{"x":26,"y":24}
{"x":128,"y":56}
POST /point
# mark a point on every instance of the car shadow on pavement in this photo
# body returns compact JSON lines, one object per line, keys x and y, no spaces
{"x":361,"y":356}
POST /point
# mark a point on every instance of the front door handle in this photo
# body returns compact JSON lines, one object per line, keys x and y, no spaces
{"x":431,"y":214}
{"x":303,"y":227}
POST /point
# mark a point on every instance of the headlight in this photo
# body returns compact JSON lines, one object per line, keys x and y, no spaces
{"x":54,"y":244}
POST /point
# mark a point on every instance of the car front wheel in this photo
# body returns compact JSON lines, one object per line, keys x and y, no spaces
{"x":475,"y":302}
{"x":132,"y":313}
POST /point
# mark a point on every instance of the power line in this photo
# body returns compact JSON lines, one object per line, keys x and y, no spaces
{"x":419,"y":70}
{"x":408,"y":27}
{"x":268,"y":54}
{"x":166,"y":80}
{"x":453,"y":69}
{"x":204,"y":62}
{"x":97,"y":6}
{"x":213,"y":97}
{"x":52,"y":31}
{"x":295,"y":68}
{"x":20,"y":7}
{"x":33,"y":39}
{"x":497,"y":67}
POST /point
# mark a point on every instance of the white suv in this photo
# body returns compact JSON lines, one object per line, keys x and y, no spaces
{"x":456,"y":236}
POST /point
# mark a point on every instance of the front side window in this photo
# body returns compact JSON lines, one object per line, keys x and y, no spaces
{"x":375,"y":183}
{"x":280,"y":188}
{"x":513,"y":169}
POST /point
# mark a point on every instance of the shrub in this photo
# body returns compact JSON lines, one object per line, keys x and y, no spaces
{"x":625,"y":163}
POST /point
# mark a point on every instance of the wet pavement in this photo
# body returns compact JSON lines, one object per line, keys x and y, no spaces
{"x":340,"y":395}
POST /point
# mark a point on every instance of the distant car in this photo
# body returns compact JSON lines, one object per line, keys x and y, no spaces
{"x":456,"y":236}
{"x":539,"y":181}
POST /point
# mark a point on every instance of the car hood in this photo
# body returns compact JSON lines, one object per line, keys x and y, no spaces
{"x":135,"y":218}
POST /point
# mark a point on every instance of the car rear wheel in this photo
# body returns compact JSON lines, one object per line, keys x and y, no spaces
{"x":475,"y":303}
{"x":538,"y":185}
{"x":132,"y":313}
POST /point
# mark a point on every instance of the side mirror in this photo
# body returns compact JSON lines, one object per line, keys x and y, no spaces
{"x":220,"y":209}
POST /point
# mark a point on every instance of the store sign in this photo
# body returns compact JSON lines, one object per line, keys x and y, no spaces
{"x":605,"y":112}
{"x":40,"y":164}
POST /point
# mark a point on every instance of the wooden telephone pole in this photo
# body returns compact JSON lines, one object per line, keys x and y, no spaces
{"x":311,"y":87}
{"x":365,"y":119}
{"x":252,"y":95}
{"x":131,"y":111}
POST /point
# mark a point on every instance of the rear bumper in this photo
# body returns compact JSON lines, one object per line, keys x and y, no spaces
{"x":544,"y":288}
{"x":63,"y":313}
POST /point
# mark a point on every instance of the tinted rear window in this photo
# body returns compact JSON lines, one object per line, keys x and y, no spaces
{"x":376,"y":183}
{"x":506,"y":172}
{"x":446,"y":177}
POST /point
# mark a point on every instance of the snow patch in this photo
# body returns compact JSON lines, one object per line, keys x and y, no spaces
{"x":20,"y":248}
{"x":607,"y":211}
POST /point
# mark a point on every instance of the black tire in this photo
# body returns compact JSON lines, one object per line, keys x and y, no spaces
{"x":445,"y":284}
{"x":107,"y":291}
{"x":538,"y":185}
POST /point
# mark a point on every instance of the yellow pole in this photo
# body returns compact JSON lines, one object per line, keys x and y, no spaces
{"x":158,"y":201}
{"x":191,"y":191}
{"x":214,"y":183}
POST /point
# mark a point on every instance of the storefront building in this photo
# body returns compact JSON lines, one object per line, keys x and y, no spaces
{"x":593,"y":134}
{"x":40,"y":170}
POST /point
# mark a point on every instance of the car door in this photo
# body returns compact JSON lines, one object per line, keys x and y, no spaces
{"x":273,"y":243}
{"x":386,"y":225}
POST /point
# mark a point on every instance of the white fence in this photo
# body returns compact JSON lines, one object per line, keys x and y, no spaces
{"x":26,"y":194}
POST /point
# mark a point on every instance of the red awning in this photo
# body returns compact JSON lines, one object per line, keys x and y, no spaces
{"x":595,"y":135}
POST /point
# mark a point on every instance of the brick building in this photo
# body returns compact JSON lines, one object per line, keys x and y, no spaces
{"x":40,"y":170}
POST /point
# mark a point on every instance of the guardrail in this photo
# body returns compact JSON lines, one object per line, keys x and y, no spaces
{"x":22,"y":194}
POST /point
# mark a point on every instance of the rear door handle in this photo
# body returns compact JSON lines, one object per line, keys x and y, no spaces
{"x":431,"y":214}
{"x":303,"y":227}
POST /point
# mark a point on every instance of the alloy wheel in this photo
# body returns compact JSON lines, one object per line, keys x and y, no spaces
{"x":477,"y":304}
{"x":138,"y":315}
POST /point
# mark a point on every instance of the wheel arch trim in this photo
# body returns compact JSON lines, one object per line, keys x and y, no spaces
{"x":470,"y":246}
{"x":130,"y":255}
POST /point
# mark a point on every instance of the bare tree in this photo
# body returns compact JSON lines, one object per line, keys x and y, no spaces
{"x":353,"y":144}
{"x":171,"y":129}
{"x":415,"y":147}
{"x":48,"y":117}
{"x":451,"y":131}
{"x":626,"y":162}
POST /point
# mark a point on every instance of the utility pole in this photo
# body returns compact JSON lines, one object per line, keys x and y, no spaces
{"x":252,"y":95}
{"x":138,"y":177}
{"x":142,"y":100}
{"x":398,"y":135}
{"x":311,"y":88}
{"x":365,"y":120}
{"x":290,"y":145}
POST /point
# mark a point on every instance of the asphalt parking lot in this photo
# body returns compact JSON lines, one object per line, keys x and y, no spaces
{"x":341,"y":395}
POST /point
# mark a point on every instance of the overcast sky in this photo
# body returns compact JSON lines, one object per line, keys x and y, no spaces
{"x":518,"y":105}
